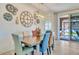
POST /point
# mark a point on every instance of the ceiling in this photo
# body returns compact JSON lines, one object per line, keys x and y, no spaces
{"x":56,"y":7}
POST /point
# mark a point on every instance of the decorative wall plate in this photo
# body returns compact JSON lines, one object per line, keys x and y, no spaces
{"x":11,"y":9}
{"x":17,"y":20}
{"x":36,"y":18}
{"x":26,"y":19}
{"x":7,"y":16}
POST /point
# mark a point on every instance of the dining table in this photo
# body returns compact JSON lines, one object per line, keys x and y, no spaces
{"x":30,"y":40}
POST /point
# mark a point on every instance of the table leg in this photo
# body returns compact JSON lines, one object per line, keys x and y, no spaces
{"x":38,"y":49}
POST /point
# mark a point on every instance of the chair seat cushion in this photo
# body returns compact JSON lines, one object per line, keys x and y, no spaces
{"x":27,"y":50}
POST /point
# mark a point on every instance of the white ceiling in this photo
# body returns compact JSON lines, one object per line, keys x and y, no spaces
{"x":56,"y":7}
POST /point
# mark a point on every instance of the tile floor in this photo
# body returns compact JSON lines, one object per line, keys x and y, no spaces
{"x":61,"y":48}
{"x":66,"y":48}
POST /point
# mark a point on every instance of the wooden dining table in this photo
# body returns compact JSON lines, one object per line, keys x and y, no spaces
{"x":30,"y":40}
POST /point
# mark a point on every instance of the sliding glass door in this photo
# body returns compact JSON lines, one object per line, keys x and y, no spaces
{"x":74,"y":27}
{"x":65,"y":28}
{"x":69,"y":27}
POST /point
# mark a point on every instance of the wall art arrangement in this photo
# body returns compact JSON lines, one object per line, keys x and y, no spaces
{"x":11,"y":9}
{"x":36,"y":18}
{"x":17,"y":20}
{"x":7,"y":16}
{"x":26,"y":19}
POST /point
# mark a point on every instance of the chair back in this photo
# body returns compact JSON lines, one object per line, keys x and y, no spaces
{"x":44,"y":43}
{"x":51,"y":38}
{"x":18,"y":45}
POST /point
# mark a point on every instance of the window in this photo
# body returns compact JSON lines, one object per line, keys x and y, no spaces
{"x":47,"y":25}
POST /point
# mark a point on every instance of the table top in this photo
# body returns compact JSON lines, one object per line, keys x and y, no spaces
{"x":29,"y":40}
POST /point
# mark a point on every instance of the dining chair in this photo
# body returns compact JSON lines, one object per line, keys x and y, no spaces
{"x":51,"y":42}
{"x":44,"y":43}
{"x":19,"y":49}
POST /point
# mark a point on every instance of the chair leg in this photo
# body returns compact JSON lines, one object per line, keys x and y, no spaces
{"x":48,"y":51}
{"x":42,"y":53}
{"x":52,"y":47}
{"x":32,"y":52}
{"x":14,"y":53}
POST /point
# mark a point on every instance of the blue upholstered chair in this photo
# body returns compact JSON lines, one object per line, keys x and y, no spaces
{"x":44,"y":43}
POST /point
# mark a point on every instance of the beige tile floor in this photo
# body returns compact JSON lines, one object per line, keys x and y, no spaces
{"x":66,"y":48}
{"x":61,"y":48}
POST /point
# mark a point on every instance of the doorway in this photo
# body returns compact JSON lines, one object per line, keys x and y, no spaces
{"x":74,"y":27}
{"x":69,"y":28}
{"x":64,"y":28}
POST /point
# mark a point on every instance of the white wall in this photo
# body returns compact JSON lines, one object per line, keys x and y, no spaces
{"x":6,"y":28}
{"x":53,"y":18}
{"x":68,"y":12}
